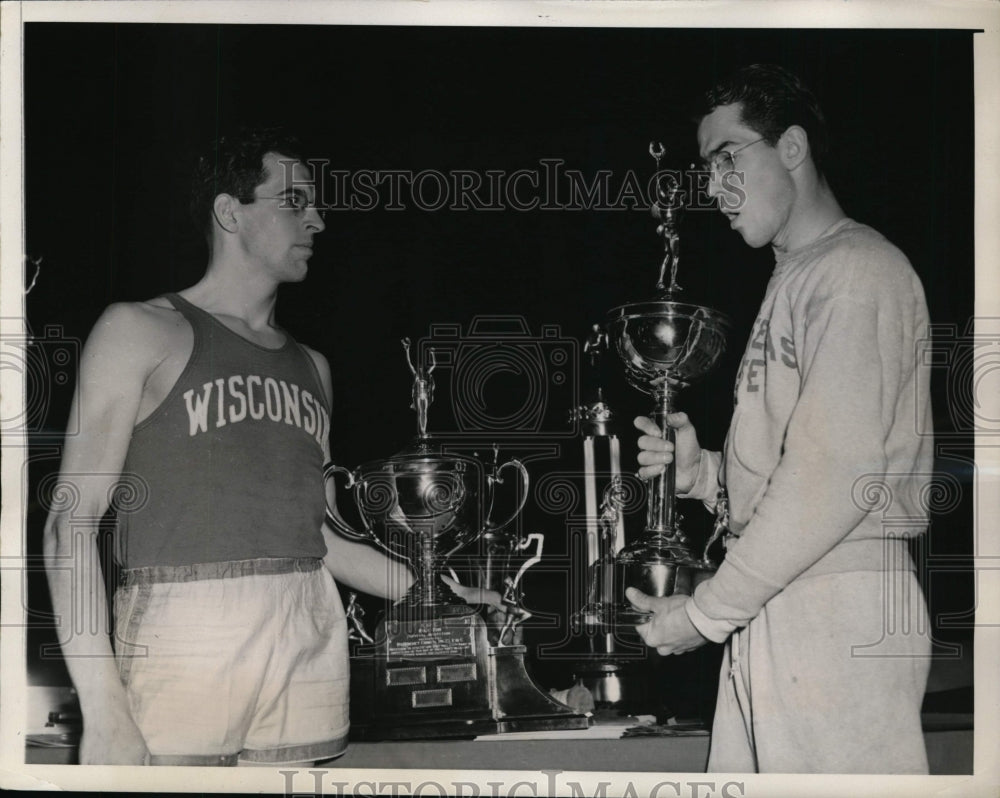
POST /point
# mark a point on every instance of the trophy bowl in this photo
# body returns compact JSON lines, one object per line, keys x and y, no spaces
{"x":663,"y":341}
{"x":422,"y":507}
{"x":408,"y":499}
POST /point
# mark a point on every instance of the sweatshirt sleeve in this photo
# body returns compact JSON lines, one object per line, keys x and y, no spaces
{"x":706,"y":482}
{"x":836,"y":434}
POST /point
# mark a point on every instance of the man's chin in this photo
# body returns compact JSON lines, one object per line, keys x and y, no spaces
{"x":752,"y":239}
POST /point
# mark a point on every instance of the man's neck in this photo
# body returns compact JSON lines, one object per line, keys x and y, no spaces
{"x":230,"y":290}
{"x":813,"y":212}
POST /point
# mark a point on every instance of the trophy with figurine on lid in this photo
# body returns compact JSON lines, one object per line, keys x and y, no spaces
{"x":432,"y":668}
{"x":664,"y":344}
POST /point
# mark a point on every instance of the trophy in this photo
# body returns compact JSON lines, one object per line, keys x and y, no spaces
{"x":431,"y":669}
{"x":422,"y":506}
{"x":664,"y":344}
{"x":611,"y":668}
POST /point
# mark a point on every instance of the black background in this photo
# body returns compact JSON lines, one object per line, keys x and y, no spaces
{"x":114,"y":115}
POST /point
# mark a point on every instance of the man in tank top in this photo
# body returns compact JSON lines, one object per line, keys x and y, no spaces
{"x":230,"y":639}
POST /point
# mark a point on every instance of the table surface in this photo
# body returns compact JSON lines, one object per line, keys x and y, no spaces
{"x":655,"y":754}
{"x":949,"y":751}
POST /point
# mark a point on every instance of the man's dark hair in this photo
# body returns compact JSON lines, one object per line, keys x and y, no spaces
{"x":772,"y":99}
{"x":234,"y":164}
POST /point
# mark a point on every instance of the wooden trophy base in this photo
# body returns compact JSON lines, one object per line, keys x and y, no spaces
{"x":440,"y":677}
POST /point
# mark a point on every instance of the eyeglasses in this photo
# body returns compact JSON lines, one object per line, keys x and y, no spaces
{"x":724,"y":161}
{"x":296,"y":201}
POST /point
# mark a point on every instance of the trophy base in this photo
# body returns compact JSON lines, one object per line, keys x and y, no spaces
{"x":655,"y":572}
{"x":614,"y":682}
{"x":441,"y":678}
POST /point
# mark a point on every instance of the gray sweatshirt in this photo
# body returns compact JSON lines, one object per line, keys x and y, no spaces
{"x":827,"y":457}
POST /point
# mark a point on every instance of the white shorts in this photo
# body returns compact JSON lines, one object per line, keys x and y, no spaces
{"x":235,"y":661}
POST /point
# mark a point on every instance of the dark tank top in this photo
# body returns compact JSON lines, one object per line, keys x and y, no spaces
{"x":230,"y":465}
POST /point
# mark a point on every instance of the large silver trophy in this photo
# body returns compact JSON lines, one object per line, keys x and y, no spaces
{"x":432,"y":669}
{"x":664,"y":344}
{"x":423,"y":505}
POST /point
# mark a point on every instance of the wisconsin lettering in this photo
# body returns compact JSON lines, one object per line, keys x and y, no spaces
{"x":238,"y":398}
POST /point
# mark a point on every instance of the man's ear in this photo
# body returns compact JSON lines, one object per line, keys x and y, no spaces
{"x":224,"y":209}
{"x":793,"y":146}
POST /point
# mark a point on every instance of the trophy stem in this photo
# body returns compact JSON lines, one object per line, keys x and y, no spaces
{"x":660,"y":516}
{"x":428,"y":596}
{"x":426,"y":580}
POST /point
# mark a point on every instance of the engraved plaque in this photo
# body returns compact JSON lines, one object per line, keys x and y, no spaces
{"x":431,"y":698}
{"x":398,"y":676}
{"x":431,"y":640}
{"x":461,"y":672}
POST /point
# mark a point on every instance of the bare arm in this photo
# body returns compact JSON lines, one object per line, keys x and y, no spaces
{"x":364,"y":567}
{"x":354,"y":564}
{"x":113,"y":369}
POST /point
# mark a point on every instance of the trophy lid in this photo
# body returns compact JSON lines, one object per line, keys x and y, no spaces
{"x":670,"y":316}
{"x":421,"y":454}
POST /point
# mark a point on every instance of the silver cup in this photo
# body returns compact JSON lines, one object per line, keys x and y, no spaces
{"x":422,"y":507}
{"x":664,"y":345}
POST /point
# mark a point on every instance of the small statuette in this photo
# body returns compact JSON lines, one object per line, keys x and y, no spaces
{"x":422,"y":393}
{"x":354,"y":613}
{"x":667,"y":208}
{"x":515,"y":613}
{"x":720,"y":529}
{"x":596,"y":344}
{"x":611,"y":508}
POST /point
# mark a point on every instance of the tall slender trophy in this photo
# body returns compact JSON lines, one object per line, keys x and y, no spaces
{"x":664,"y":344}
{"x":611,"y":668}
{"x":431,"y":669}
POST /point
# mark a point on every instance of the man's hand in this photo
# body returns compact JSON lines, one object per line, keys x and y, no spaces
{"x":655,"y":453}
{"x":669,"y":631}
{"x":474,"y":595}
{"x":112,"y":738}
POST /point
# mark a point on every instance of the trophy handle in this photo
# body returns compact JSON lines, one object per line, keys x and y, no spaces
{"x":333,"y":517}
{"x":539,"y":540}
{"x":496,"y":479}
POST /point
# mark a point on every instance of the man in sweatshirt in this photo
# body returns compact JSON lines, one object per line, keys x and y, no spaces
{"x":824,"y":622}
